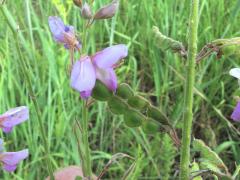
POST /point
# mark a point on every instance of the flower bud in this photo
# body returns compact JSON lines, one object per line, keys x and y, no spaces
{"x":150,"y":126}
{"x":117,"y":105}
{"x":101,"y":92}
{"x":78,"y":3}
{"x":157,"y":115}
{"x":124,"y":91}
{"x":107,"y":11}
{"x":138,"y":102}
{"x":133,"y":118}
{"x":86,"y":11}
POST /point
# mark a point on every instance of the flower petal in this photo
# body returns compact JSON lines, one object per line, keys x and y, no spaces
{"x":236,"y":113}
{"x":235,"y":72}
{"x":9,"y":168}
{"x":83,"y":76}
{"x":7,"y":129}
{"x":108,"y":77}
{"x":57,"y":28}
{"x":14,"y":117}
{"x":110,"y":56}
{"x":13,"y":158}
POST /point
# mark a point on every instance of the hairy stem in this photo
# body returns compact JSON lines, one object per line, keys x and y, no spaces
{"x":87,"y":154}
{"x":188,"y":98}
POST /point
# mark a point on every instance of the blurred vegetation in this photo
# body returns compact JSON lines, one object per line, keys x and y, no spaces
{"x":158,"y":75}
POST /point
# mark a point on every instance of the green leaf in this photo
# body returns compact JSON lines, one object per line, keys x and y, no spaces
{"x":195,"y":168}
{"x":210,"y":159}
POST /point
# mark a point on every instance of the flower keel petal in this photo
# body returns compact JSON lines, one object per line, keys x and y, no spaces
{"x":108,"y":77}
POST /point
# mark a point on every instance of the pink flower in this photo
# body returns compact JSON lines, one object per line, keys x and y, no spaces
{"x":10,"y":160}
{"x":13,"y":117}
{"x":99,"y":66}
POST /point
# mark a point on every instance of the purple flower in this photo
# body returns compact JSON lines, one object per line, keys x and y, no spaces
{"x":236,"y":113}
{"x":13,"y":117}
{"x":63,"y":34}
{"x":10,"y":160}
{"x":99,"y":66}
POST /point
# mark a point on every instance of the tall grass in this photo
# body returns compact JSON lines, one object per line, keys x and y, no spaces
{"x":147,"y":69}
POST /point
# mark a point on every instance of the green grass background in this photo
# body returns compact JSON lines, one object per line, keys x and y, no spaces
{"x":158,"y":75}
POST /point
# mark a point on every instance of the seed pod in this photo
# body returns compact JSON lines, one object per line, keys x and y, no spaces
{"x":86,"y":11}
{"x":138,"y":102}
{"x":157,"y":115}
{"x":133,"y":118}
{"x":101,"y":92}
{"x":124,"y":91}
{"x":107,"y":11}
{"x":117,"y":105}
{"x":150,"y":126}
{"x":78,"y":3}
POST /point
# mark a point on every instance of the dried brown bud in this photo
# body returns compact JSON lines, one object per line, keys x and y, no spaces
{"x":78,"y":3}
{"x":107,"y":11}
{"x":86,"y":11}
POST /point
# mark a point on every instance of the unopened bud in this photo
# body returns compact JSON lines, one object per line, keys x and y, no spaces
{"x":78,"y":3}
{"x":133,"y":118}
{"x":150,"y":126}
{"x":107,"y":11}
{"x":117,"y":105}
{"x":86,"y":11}
{"x":124,"y":91}
{"x":157,"y":115}
{"x":138,"y":102}
{"x":101,"y":92}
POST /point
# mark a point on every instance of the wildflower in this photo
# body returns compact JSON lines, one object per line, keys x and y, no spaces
{"x":13,"y":117}
{"x":235,"y":72}
{"x":10,"y":160}
{"x":99,"y":66}
{"x":63,"y":34}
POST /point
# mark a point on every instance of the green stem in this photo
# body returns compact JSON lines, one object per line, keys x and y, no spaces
{"x":24,"y":69}
{"x":188,"y":98}
{"x":87,"y":160}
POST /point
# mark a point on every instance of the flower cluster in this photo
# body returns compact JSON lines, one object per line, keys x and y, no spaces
{"x":8,"y":120}
{"x":89,"y":68}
